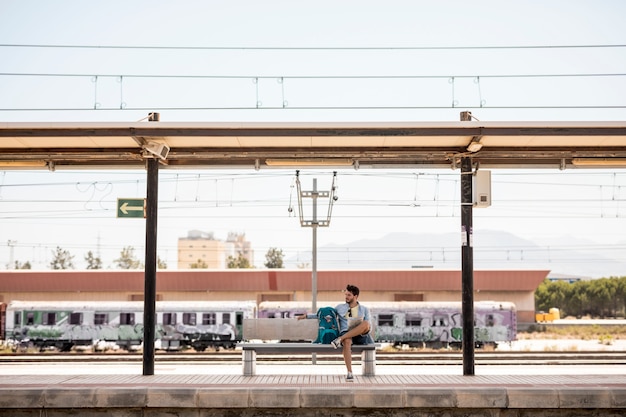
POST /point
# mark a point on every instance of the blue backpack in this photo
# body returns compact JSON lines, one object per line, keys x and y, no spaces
{"x":328,"y":325}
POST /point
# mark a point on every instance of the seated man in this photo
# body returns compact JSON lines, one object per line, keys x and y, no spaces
{"x":354,"y":326}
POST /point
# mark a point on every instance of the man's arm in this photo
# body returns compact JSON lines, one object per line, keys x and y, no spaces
{"x":366,"y":314}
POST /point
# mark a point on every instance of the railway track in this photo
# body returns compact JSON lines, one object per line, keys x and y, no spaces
{"x":387,"y":358}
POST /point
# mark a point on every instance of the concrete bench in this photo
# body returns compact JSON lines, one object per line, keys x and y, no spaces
{"x":289,"y":337}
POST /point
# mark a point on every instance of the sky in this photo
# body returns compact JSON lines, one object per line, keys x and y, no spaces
{"x":307,"y":62}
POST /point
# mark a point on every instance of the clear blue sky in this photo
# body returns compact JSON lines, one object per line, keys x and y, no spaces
{"x":293,"y":61}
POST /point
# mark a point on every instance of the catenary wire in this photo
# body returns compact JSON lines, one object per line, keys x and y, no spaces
{"x":309,"y":48}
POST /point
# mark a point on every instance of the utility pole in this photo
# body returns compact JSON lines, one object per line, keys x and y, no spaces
{"x":11,"y":245}
{"x":314,"y":223}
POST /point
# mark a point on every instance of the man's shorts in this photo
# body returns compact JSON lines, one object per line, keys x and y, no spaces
{"x":363,"y":339}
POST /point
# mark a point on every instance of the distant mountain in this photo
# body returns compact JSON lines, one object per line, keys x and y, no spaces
{"x":492,"y":250}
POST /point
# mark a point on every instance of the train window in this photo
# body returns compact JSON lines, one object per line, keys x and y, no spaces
{"x":226,"y":318}
{"x":189,"y":319}
{"x":169,"y":319}
{"x":30,"y":319}
{"x":208,"y":318}
{"x":17,"y":320}
{"x":49,"y":318}
{"x":280,"y":315}
{"x":100,"y":318}
{"x":440,"y":321}
{"x":385,"y":319}
{"x":127,"y":318}
{"x":239,"y":319}
{"x":76,"y":318}
{"x":413,"y":321}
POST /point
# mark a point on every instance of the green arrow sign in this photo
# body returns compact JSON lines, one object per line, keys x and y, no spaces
{"x":131,"y":207}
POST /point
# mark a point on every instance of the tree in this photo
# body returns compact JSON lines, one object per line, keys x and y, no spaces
{"x":161,"y":264}
{"x":61,"y":259}
{"x":603,"y":297}
{"x":127,"y":259}
{"x":200,"y":264}
{"x":20,"y":265}
{"x":600,"y":295}
{"x":620,"y":294}
{"x":542,"y":296}
{"x":93,"y":262}
{"x":274,"y":258}
{"x":578,"y":304}
{"x":553,"y":294}
{"x":240,"y":262}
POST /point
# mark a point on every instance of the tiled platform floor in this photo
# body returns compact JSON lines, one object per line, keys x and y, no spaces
{"x":264,"y":381}
{"x":210,"y":390}
{"x":392,"y":395}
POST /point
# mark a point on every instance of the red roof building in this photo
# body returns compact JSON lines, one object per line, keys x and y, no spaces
{"x":273,"y":284}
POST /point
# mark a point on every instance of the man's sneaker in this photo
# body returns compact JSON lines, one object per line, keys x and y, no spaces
{"x":336,"y":343}
{"x":350,"y":377}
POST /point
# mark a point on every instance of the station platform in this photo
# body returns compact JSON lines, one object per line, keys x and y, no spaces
{"x":297,"y":392}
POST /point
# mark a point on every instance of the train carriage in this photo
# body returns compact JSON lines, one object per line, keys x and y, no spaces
{"x":437,"y":324}
{"x":64,"y":325}
{"x":288,"y":309}
{"x":3,"y":316}
{"x":420,"y":323}
{"x":202,"y":324}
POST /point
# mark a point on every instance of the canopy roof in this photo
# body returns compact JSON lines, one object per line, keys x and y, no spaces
{"x":259,"y":145}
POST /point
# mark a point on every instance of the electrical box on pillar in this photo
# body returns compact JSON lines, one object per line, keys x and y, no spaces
{"x":482,"y":188}
{"x":160,"y":150}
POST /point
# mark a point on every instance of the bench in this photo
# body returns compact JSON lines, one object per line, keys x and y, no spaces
{"x":292,"y":337}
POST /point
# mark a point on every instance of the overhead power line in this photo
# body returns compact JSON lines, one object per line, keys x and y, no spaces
{"x":310,"y":48}
{"x":286,"y":98}
{"x":316,"y":77}
{"x":207,"y":108}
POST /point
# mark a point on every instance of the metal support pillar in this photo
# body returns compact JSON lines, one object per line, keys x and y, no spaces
{"x":149,"y":310}
{"x":467,"y":266}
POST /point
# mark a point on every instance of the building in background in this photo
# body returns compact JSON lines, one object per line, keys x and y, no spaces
{"x":201,"y":250}
{"x":238,"y":245}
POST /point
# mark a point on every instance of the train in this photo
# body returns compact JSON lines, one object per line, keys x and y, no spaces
{"x":421,"y":323}
{"x":201,"y":325}
{"x":119,"y":324}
